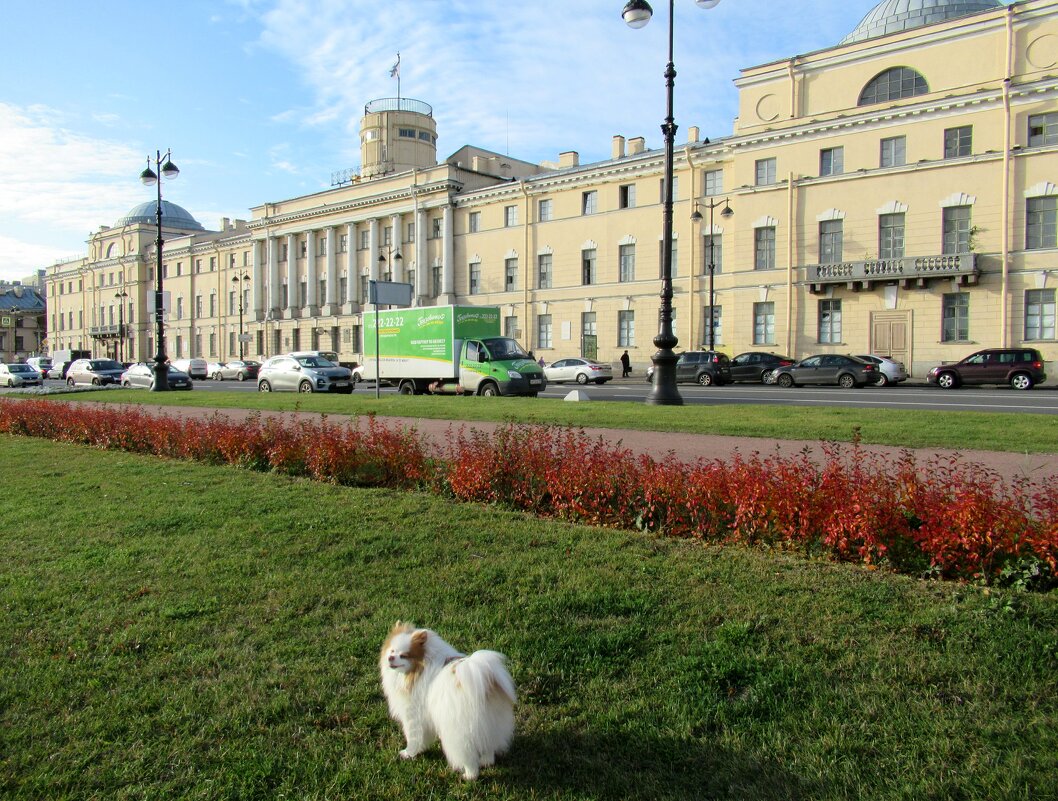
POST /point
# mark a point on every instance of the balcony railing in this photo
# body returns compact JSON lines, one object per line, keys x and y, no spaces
{"x":104,"y":331}
{"x":904,"y":269}
{"x":398,"y":104}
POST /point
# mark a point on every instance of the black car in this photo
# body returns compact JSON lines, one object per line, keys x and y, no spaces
{"x":705,"y":367}
{"x":757,"y":366}
{"x":828,"y":368}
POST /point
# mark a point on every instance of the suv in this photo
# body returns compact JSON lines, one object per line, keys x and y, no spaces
{"x":705,"y":367}
{"x":303,"y":374}
{"x":1022,"y":368}
{"x":97,"y":372}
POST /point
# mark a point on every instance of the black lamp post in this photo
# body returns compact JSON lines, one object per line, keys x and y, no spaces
{"x":697,"y":218}
{"x":394,"y":257}
{"x":120,"y":298}
{"x":150,"y":178}
{"x":637,"y":13}
{"x":238,"y":281}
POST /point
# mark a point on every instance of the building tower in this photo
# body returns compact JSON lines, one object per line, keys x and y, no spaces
{"x":397,"y":134}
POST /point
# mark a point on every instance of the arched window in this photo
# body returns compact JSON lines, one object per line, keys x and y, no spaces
{"x":892,"y":85}
{"x":110,"y":250}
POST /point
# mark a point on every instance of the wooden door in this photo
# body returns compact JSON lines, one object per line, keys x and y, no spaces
{"x":891,"y":335}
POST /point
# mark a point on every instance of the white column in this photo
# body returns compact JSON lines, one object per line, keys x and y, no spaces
{"x":312,"y":287}
{"x":332,"y":271}
{"x":422,"y":265}
{"x":351,"y":277}
{"x":373,"y":252}
{"x":257,"y":280}
{"x":273,"y":274}
{"x":292,"y":275}
{"x":448,"y":272}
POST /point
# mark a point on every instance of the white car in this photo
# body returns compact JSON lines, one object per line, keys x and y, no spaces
{"x":890,"y":371}
{"x":19,"y":375}
{"x":196,"y":368}
{"x":580,"y":370}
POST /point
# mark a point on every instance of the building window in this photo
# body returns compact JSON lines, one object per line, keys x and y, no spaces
{"x":718,"y":325}
{"x":764,"y":248}
{"x":1043,"y":129}
{"x":955,"y":317}
{"x":588,"y":324}
{"x":714,"y":182}
{"x":321,"y":246}
{"x":543,"y":271}
{"x":475,"y":278}
{"x":1041,"y":222}
{"x":892,"y":85}
{"x":343,"y":289}
{"x":544,"y":211}
{"x":626,"y":329}
{"x":510,"y":327}
{"x":543,"y":330}
{"x":179,"y":308}
{"x":365,"y":240}
{"x":627,"y":196}
{"x":343,"y":243}
{"x":437,"y":276}
{"x":510,"y":275}
{"x":831,"y":233}
{"x":365,"y":288}
{"x":893,"y":152}
{"x":589,"y":202}
{"x":1039,"y":314}
{"x":956,"y":235}
{"x":958,"y":141}
{"x":474,"y":222}
{"x":212,"y":305}
{"x":675,"y":189}
{"x":303,"y":248}
{"x":829,"y":322}
{"x":627,"y":263}
{"x":891,"y":236}
{"x":510,"y":216}
{"x":387,"y":235}
{"x":198,"y":269}
{"x":435,"y":227}
{"x":713,"y":253}
{"x":588,"y":274}
{"x":231,"y":302}
{"x":765,"y":172}
{"x":832,"y":161}
{"x":213,"y":346}
{"x":407,"y":133}
{"x":410,"y":236}
{"x":764,"y":323}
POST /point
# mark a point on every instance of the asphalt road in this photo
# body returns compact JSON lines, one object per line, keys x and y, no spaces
{"x":1039,"y":400}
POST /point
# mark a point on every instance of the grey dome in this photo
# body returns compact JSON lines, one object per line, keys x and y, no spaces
{"x":892,"y":16}
{"x":173,"y":216}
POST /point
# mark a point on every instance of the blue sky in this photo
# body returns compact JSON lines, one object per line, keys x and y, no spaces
{"x":260,"y":100}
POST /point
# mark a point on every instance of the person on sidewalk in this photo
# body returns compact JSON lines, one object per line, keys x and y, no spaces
{"x":626,"y":365}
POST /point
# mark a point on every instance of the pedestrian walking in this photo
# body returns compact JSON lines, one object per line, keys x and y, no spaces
{"x":626,"y":365}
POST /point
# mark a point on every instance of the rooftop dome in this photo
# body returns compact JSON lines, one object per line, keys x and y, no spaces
{"x":893,"y":16}
{"x":173,"y":216}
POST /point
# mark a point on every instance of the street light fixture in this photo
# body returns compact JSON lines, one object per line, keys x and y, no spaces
{"x":725,"y":213}
{"x":120,"y":298}
{"x":150,"y":178}
{"x":637,"y":13}
{"x":238,"y":281}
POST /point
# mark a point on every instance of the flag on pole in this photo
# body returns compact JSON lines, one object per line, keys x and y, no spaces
{"x":394,"y":71}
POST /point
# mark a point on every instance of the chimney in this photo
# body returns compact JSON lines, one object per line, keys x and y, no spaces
{"x":636,"y":145}
{"x":692,"y":134}
{"x":224,"y":223}
{"x":618,"y":150}
{"x":571,"y":158}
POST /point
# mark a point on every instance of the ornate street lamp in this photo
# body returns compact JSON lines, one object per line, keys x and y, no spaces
{"x":637,"y":13}
{"x":150,"y":178}
{"x":120,"y":298}
{"x":697,"y":218}
{"x":238,"y":281}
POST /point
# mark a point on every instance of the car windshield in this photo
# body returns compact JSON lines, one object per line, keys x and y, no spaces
{"x":504,"y":348}
{"x":20,"y":368}
{"x":314,"y":361}
{"x":104,"y":364}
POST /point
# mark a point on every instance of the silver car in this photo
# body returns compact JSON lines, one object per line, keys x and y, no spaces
{"x":580,"y":370}
{"x":97,"y":372}
{"x":19,"y":375}
{"x":890,"y":371}
{"x":303,"y":374}
{"x":141,"y":376}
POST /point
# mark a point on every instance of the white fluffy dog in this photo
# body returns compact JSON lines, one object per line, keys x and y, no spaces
{"x":435,"y":692}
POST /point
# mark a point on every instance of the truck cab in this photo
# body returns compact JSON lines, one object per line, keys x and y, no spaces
{"x":498,"y":366}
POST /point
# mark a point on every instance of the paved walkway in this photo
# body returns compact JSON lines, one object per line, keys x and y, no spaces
{"x":686,"y":447}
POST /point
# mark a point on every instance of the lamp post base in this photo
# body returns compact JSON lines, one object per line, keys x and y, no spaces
{"x":161,"y":376}
{"x":664,"y":392}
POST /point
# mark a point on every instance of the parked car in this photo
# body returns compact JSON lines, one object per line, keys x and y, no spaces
{"x":577,"y":369}
{"x":890,"y":371}
{"x":19,"y":375}
{"x":59,"y":370}
{"x":97,"y":372}
{"x":705,"y":367}
{"x":141,"y":376}
{"x":196,"y":368}
{"x":303,"y":374}
{"x":238,"y":369}
{"x":757,"y":366}
{"x":828,"y":368}
{"x":42,"y":364}
{"x":1022,"y":368}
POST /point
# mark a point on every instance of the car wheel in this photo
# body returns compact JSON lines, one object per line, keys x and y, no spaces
{"x":1021,"y":381}
{"x":846,"y":381}
{"x":582,"y":378}
{"x":95,"y":382}
{"x":406,"y":388}
{"x":489,"y":390}
{"x":70,"y":382}
{"x":242,"y":376}
{"x":127,"y":384}
{"x":705,"y":379}
{"x":947,"y":381}
{"x":785,"y":380}
{"x":305,"y":386}
{"x":217,"y":377}
{"x":883,"y":380}
{"x":768,"y":377}
{"x":264,"y":386}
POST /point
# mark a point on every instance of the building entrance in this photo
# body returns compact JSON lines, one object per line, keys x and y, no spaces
{"x":891,"y":335}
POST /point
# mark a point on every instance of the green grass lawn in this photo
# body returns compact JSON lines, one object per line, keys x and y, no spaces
{"x":1019,"y":433}
{"x":171,"y":630}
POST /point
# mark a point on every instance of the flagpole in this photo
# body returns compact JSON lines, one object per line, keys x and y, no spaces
{"x":398,"y":79}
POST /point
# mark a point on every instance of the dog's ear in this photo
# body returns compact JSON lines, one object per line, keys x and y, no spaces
{"x":418,"y":644}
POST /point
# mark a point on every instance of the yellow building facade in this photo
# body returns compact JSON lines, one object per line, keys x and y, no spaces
{"x":894,"y":194}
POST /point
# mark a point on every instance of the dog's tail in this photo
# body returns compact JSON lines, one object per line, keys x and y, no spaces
{"x":483,"y":674}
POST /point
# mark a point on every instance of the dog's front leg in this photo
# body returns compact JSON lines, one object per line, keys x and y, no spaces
{"x":415,"y":735}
